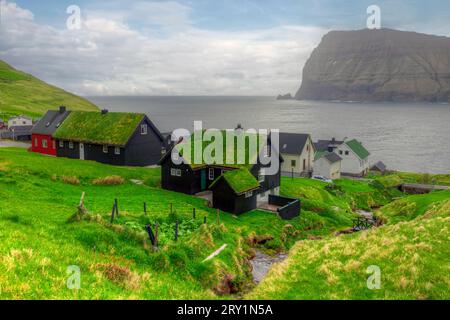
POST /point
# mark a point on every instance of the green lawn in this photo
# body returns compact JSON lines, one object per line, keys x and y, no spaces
{"x":412,"y":257}
{"x":38,"y":195}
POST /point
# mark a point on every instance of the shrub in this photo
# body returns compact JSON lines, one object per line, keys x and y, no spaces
{"x":70,"y":180}
{"x":109,"y":180}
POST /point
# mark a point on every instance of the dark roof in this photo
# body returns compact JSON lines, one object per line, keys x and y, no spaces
{"x":379,"y":166}
{"x":20,"y":130}
{"x":330,"y":156}
{"x":322,"y":145}
{"x":50,"y":122}
{"x":292,"y":143}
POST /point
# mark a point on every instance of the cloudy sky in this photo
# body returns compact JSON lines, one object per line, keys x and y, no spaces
{"x":188,"y":47}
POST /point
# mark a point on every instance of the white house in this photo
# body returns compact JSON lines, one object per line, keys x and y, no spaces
{"x":297,"y":150}
{"x":19,"y":121}
{"x":328,"y":165}
{"x":355,"y":157}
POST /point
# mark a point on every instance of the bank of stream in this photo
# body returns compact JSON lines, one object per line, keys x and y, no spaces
{"x":262,"y":262}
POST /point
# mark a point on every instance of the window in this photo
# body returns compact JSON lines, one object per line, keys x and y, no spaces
{"x":116,"y":150}
{"x":175,"y":172}
{"x":70,"y":145}
{"x":293,"y":163}
{"x":105,"y":149}
{"x":61,"y":144}
{"x":340,"y":152}
{"x":24,"y":122}
{"x":14,"y":122}
{"x":248,"y":194}
{"x":54,"y":144}
{"x":35,"y":142}
{"x":304,"y":164}
{"x":143,"y":129}
{"x":347,"y":153}
{"x":211,"y":173}
{"x":44,"y":143}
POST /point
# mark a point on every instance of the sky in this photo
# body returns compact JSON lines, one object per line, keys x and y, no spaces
{"x":188,"y":47}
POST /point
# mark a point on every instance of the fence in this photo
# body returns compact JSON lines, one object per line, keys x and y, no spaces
{"x":289,"y":208}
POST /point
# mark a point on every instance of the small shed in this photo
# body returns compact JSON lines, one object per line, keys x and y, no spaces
{"x":328,"y":165}
{"x":235,"y":191}
{"x":379,"y":167}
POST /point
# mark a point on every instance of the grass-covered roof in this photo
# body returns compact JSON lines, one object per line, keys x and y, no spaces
{"x":112,"y":128}
{"x":358,"y":148}
{"x":240,"y":180}
{"x":249,"y":150}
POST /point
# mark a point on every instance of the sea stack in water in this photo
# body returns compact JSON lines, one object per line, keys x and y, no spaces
{"x":378,"y":65}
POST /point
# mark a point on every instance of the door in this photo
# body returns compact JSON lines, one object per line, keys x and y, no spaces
{"x":81,"y":151}
{"x":203,"y":180}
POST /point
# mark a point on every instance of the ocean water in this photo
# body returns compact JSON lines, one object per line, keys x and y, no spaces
{"x":408,"y":137}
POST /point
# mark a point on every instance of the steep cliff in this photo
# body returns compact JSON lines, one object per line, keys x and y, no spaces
{"x":378,"y":65}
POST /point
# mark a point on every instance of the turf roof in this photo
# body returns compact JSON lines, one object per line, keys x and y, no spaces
{"x":251,"y":154}
{"x":358,"y":148}
{"x":240,"y":180}
{"x":112,"y":128}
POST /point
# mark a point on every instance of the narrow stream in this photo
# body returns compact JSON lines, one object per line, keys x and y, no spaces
{"x":262,"y":262}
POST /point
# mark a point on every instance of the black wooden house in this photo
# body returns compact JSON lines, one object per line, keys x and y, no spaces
{"x":236,"y":188}
{"x":128,"y":139}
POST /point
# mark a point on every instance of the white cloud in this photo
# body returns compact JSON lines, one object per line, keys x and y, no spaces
{"x":110,"y":57}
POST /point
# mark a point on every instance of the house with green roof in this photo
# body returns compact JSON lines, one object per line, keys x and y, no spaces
{"x":355,"y":157}
{"x":235,"y":177}
{"x":117,"y":138}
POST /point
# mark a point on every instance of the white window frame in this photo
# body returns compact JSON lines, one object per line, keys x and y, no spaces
{"x":144,"y":129}
{"x":35,"y":142}
{"x":117,"y":150}
{"x":174,"y":172}
{"x":249,"y":194}
{"x":70,"y":145}
{"x":105,"y":149}
{"x":44,"y":143}
{"x":211,"y":173}
{"x":61,"y":144}
{"x":54,"y":144}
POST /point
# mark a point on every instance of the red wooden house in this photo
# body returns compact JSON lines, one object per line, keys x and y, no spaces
{"x":42,"y":133}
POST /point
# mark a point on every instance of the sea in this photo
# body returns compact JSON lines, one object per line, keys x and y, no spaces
{"x":412,"y":137}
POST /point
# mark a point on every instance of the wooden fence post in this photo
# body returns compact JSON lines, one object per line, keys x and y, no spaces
{"x":156,"y":234}
{"x":149,"y":230}
{"x":117,"y":207}
{"x":176,"y":230}
{"x":112,"y":212}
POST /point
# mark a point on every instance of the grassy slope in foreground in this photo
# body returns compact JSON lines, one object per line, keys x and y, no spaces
{"x":412,"y":255}
{"x":38,"y":194}
{"x":21,"y":93}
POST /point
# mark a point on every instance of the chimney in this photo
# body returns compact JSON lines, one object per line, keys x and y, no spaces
{"x":239,"y":128}
{"x":104,"y":111}
{"x":62,"y":109}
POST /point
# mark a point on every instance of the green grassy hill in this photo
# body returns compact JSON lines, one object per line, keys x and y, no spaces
{"x":412,"y":254}
{"x":21,"y":93}
{"x":39,"y":240}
